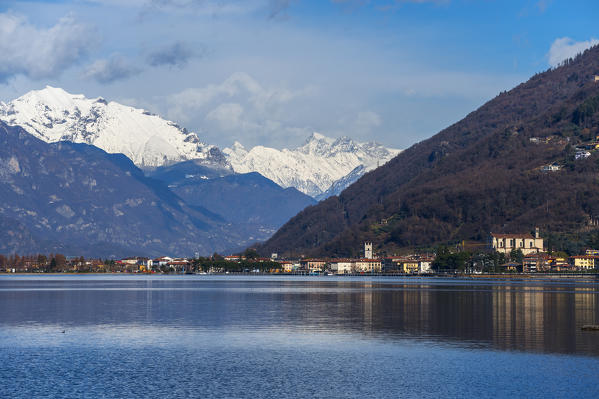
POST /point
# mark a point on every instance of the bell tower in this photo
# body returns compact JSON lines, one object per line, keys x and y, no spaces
{"x":368,"y":250}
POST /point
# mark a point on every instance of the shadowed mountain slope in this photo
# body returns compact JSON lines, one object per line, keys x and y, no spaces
{"x":480,"y":174}
{"x":79,"y":200}
{"x":252,"y":204}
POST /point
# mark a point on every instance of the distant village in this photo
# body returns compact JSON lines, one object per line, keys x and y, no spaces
{"x":504,"y":253}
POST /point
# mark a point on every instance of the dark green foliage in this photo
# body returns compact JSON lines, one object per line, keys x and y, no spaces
{"x":447,"y":260}
{"x":585,"y":110}
{"x":516,"y":255}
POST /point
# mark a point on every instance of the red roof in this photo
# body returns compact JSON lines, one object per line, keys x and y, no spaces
{"x":525,"y":235}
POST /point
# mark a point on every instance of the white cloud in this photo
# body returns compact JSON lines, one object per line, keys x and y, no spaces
{"x":227,"y":116}
{"x":40,"y":53}
{"x":239,"y":108}
{"x":564,"y":48}
{"x":238,"y":85}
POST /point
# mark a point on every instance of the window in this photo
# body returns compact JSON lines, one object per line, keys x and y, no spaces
{"x":521,"y":244}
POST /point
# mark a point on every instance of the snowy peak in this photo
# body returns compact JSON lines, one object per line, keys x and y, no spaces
{"x":314,"y":167}
{"x":52,"y":114}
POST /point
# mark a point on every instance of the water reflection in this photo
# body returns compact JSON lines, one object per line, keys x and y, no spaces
{"x":537,"y":316}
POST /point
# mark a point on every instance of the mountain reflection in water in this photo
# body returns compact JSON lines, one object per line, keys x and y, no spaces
{"x":535,"y":316}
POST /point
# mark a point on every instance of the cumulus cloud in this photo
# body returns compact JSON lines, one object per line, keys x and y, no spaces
{"x":564,"y":48}
{"x":176,"y":54}
{"x":239,"y":107}
{"x":227,"y":116}
{"x":239,"y":85}
{"x":110,"y":70}
{"x":40,"y":53}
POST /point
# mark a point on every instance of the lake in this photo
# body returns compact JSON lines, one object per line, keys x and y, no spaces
{"x":287,"y":337}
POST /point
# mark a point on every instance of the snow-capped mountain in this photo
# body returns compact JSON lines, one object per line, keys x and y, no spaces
{"x":314,"y":167}
{"x":52,"y":115}
{"x":341,"y":184}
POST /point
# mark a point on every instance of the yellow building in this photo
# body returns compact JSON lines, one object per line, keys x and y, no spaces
{"x":410,"y":266}
{"x":585,"y":262}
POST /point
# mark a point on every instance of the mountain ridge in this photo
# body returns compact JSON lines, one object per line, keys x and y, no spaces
{"x":314,"y":167}
{"x":410,"y":201}
{"x":77,"y":199}
{"x":52,"y":114}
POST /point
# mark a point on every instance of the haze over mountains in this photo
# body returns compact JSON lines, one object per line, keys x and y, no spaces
{"x":216,"y":200}
{"x":484,"y":173}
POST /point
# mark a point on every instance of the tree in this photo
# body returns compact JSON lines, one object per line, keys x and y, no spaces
{"x":250,"y":253}
{"x":61,"y":261}
{"x":516,"y":255}
{"x":41,"y":260}
{"x":446,"y":260}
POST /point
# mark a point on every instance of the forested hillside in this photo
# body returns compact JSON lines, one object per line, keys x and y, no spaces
{"x":481,"y":174}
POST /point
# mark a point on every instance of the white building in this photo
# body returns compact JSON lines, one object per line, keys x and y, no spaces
{"x":425,"y":266}
{"x":341,"y":266}
{"x":528,"y":244}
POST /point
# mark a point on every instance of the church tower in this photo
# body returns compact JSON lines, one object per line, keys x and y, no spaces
{"x":368,"y":250}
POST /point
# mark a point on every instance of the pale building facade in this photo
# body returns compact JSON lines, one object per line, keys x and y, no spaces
{"x":527,"y":243}
{"x":368,"y":250}
{"x":585,"y":262}
{"x":368,"y":266}
{"x":341,"y":266}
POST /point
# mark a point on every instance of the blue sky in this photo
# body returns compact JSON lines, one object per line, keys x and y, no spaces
{"x":270,"y":72}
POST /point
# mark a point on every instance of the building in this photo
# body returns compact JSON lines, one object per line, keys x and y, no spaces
{"x":505,"y":243}
{"x":425,"y":265}
{"x":581,"y":154}
{"x":410,"y":266}
{"x":341,"y":266}
{"x":554,"y":167}
{"x":368,"y":266}
{"x":162,"y":261}
{"x":536,"y":262}
{"x":287,"y":266}
{"x":585,"y":262}
{"x":368,"y":250}
{"x":313,"y":265}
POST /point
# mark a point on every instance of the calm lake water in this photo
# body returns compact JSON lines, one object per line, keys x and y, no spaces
{"x":202,"y":336}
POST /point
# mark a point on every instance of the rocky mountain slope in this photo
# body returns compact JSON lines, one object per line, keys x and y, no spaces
{"x":252,"y":204}
{"x":52,"y":115}
{"x":484,"y":173}
{"x":312,"y":168}
{"x":78,"y":200}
